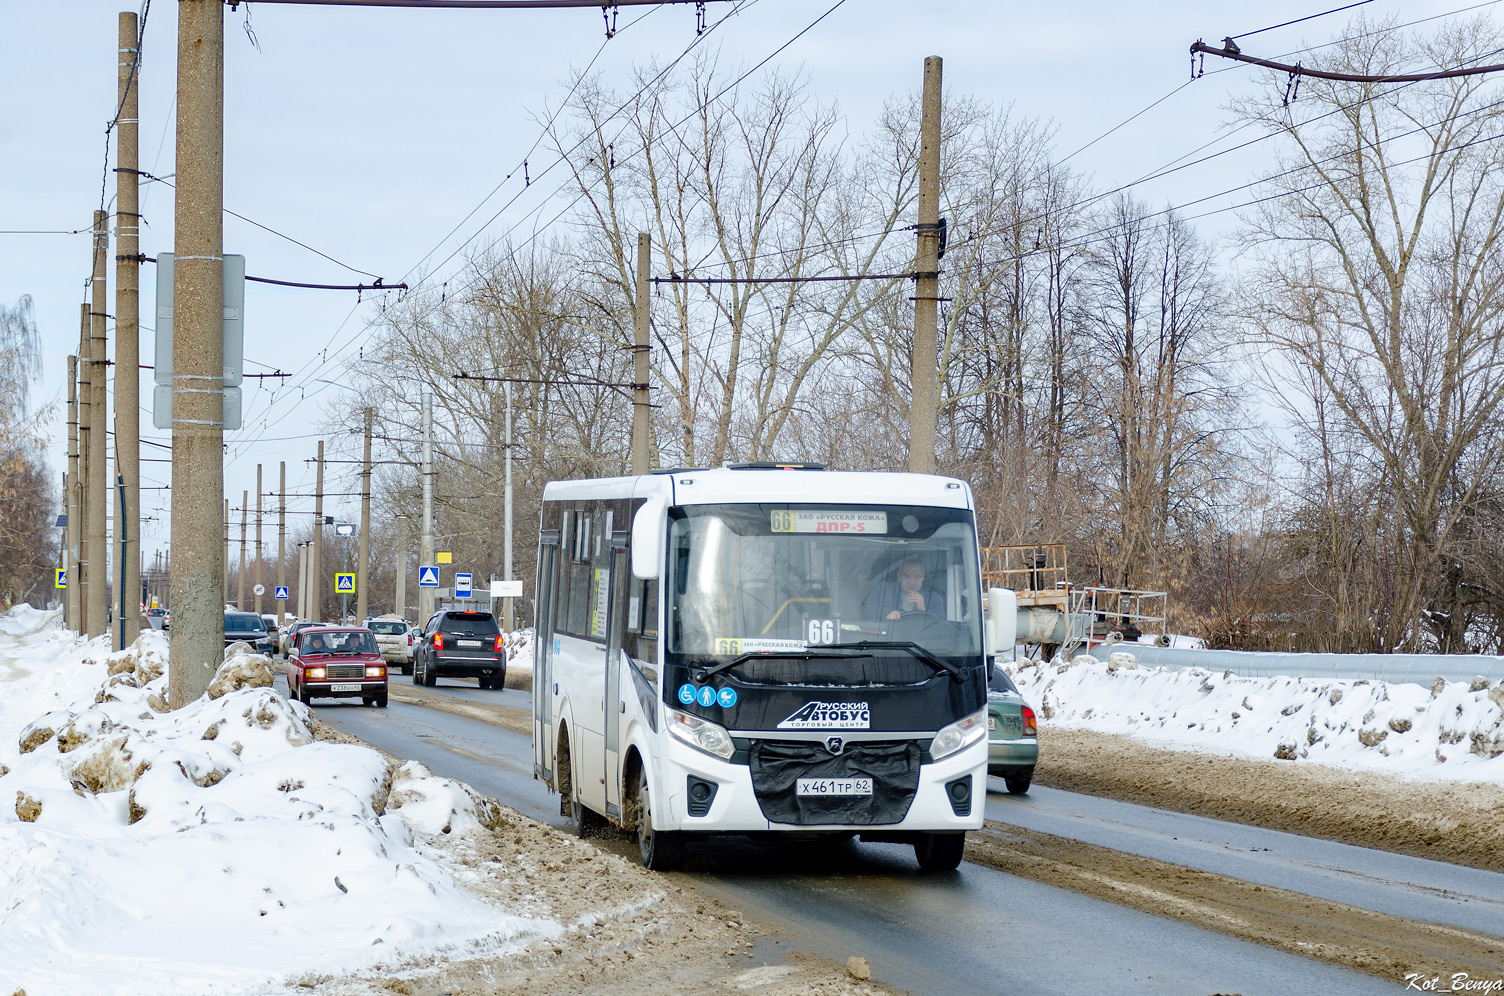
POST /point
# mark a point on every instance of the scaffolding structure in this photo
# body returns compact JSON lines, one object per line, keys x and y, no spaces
{"x":1096,"y":615}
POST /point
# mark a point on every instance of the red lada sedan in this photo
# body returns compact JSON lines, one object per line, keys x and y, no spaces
{"x":336,"y":662}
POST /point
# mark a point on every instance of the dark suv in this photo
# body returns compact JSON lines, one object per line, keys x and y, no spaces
{"x":462,"y":645}
{"x":247,"y":626}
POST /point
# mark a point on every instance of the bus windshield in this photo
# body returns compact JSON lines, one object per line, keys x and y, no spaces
{"x":782,"y":578}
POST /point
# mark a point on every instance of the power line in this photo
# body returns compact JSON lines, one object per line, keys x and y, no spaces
{"x":741,"y":4}
{"x":377,"y":286}
{"x":368,"y":326}
{"x":675,"y":278}
{"x":267,"y":228}
{"x":1172,"y":166}
{"x":489,"y":4}
{"x":37,"y":231}
{"x":1308,"y":17}
{"x":130,"y":81}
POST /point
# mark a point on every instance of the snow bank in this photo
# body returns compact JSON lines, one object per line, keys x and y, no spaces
{"x":520,"y":649}
{"x":215,"y":848}
{"x":1451,"y":730}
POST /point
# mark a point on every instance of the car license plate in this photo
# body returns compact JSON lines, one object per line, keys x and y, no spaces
{"x":353,"y":686}
{"x":469,"y":643}
{"x":833,"y":786}
{"x":991,"y":723}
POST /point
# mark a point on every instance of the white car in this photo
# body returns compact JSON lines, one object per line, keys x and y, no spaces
{"x":394,"y":638}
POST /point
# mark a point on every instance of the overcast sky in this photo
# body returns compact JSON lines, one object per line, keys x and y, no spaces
{"x":368,"y":134}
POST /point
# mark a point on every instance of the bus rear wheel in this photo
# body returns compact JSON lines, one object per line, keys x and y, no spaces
{"x":939,"y":852}
{"x":661,"y":850}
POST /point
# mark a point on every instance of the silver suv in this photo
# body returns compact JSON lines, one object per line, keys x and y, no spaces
{"x":394,"y":637}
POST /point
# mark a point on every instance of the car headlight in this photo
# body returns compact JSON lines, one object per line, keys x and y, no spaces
{"x":959,"y":735}
{"x":314,"y":674}
{"x":701,"y":734}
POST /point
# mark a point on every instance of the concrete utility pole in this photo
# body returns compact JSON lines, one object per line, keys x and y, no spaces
{"x":507,"y":502}
{"x":127,"y":332}
{"x":245,"y":499}
{"x":98,"y":442}
{"x":640,"y":409}
{"x":75,"y":576}
{"x":282,"y":544}
{"x":259,"y":558}
{"x":924,"y":399}
{"x":401,"y":608}
{"x":316,"y":559}
{"x":361,"y":601}
{"x":85,"y":425}
{"x":425,"y":595}
{"x":198,"y":480}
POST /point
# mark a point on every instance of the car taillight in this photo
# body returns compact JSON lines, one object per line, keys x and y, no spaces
{"x":499,"y":641}
{"x":438,"y":641}
{"x":409,"y":638}
{"x":1031,"y":725}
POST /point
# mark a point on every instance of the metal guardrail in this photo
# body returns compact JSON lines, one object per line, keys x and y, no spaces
{"x":1394,"y":668}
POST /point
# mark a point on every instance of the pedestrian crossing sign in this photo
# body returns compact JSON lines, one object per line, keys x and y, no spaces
{"x":60,"y":577}
{"x":344,"y":584}
{"x":428,"y":577}
{"x":281,"y":593}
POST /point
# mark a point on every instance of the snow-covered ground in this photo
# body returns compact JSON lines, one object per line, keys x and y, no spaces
{"x":213,"y":849}
{"x":219,"y":848}
{"x":1448,"y":730}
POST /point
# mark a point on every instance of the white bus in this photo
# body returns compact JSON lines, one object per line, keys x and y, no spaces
{"x":760,"y":648}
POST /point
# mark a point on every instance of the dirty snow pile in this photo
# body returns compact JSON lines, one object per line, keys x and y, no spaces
{"x":1449,"y":730}
{"x":519,"y":646}
{"x":213,"y":849}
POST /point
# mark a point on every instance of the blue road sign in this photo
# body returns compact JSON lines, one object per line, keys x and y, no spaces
{"x":462,"y":585}
{"x":428,"y":577}
{"x":344,"y":584}
{"x":281,"y":594}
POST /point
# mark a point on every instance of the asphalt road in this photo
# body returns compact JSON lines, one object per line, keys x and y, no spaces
{"x":973,"y":931}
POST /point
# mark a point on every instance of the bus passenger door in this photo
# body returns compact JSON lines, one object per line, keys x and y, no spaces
{"x":543,"y":642}
{"x":616,"y":617}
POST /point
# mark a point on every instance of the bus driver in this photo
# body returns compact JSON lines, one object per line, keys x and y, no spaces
{"x":890,"y":599}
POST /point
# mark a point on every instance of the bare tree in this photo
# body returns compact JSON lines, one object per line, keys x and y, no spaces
{"x":28,"y":498}
{"x":1378,"y":269}
{"x":1156,"y":391}
{"x":746,"y":190}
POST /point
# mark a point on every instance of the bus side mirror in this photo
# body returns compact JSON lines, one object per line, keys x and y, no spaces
{"x":649,"y":538}
{"x":1001,"y":625}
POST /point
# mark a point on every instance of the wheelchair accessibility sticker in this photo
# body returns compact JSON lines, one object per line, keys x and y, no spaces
{"x":687,"y":694}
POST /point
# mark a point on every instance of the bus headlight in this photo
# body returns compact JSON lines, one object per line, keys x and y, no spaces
{"x":701,"y":734}
{"x":959,"y":735}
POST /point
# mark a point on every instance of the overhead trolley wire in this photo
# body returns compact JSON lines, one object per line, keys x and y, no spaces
{"x":367,"y":327}
{"x":1298,"y":20}
{"x":741,"y":5}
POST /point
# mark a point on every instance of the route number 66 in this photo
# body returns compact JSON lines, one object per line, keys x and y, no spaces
{"x":821,"y":632}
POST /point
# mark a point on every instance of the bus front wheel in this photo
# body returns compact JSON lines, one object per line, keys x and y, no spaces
{"x":661,"y":850}
{"x":939,"y":852}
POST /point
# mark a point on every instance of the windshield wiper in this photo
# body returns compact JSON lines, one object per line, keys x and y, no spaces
{"x":938,"y":663}
{"x":704,"y":672}
{"x":838,"y":650}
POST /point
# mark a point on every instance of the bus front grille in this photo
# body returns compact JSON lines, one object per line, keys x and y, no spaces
{"x":777,"y":766}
